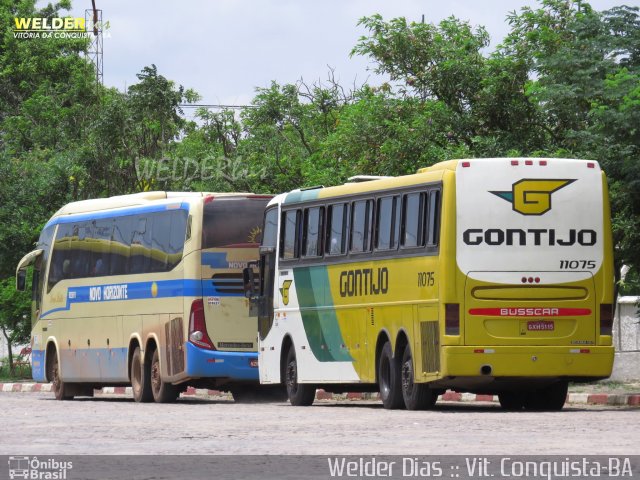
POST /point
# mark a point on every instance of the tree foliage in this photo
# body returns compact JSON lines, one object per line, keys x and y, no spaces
{"x":564,"y":82}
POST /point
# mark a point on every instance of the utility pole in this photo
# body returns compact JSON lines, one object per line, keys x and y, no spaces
{"x":95,"y":51}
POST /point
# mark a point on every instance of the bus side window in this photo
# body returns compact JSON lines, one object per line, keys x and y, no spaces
{"x":60,"y":256}
{"x":160,"y":241}
{"x":121,"y":245}
{"x":433,"y":229}
{"x":290,"y":234}
{"x":361,"y":216}
{"x":101,"y":248}
{"x":140,"y":246}
{"x":80,"y":250}
{"x":388,"y":223}
{"x":336,"y":238}
{"x":312,"y":233}
{"x":413,"y":215}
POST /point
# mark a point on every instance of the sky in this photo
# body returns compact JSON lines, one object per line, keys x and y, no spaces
{"x":224,"y":49}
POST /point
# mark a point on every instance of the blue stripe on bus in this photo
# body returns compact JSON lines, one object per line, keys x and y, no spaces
{"x":121,"y":212}
{"x":124,"y":291}
{"x":111,"y":364}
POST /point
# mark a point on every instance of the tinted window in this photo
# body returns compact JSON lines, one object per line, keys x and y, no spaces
{"x":117,"y":246}
{"x":413,"y":213}
{"x":361,"y":215}
{"x":270,"y":228}
{"x":290,"y":236}
{"x":60,"y":268}
{"x":100,"y":246}
{"x":121,"y":244}
{"x":387,"y":223}
{"x":229,"y":221}
{"x":313,"y":223}
{"x":140,"y":254}
{"x":434,"y":218}
{"x":337,"y":229}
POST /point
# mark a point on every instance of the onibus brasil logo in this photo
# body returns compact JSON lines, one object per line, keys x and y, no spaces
{"x":532,"y":196}
{"x":38,"y":469}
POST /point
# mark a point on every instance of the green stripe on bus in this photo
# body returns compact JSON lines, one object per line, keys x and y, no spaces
{"x":321,"y":327}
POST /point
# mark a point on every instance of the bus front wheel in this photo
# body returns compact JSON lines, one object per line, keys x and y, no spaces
{"x":417,"y":396}
{"x":300,"y":394}
{"x":163,"y":392}
{"x":53,"y":373}
{"x":140,"y":378}
{"x":389,"y":379}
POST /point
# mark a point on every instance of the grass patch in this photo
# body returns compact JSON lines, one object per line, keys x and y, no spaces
{"x":21,"y":372}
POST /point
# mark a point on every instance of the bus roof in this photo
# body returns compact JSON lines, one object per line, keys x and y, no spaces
{"x":142,"y":198}
{"x":426,"y":174}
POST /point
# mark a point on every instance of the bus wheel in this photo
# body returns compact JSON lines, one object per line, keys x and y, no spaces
{"x":389,"y":379}
{"x":300,"y":394}
{"x":140,"y":379}
{"x":163,"y":392}
{"x":511,"y":400}
{"x":53,"y":374}
{"x":417,"y":396}
{"x":551,"y":398}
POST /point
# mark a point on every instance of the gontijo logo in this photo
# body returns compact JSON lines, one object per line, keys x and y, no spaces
{"x":532,"y":196}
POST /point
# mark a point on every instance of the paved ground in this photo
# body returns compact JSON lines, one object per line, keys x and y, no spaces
{"x":36,"y":424}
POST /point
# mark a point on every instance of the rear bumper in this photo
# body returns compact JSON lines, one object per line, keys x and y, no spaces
{"x":213,"y":363}
{"x":566,"y":361}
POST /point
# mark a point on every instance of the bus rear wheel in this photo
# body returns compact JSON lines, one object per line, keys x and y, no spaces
{"x":417,"y":396}
{"x":300,"y":394}
{"x":551,"y":398}
{"x":389,"y":379}
{"x":511,"y":400}
{"x":163,"y":392}
{"x":53,"y":374}
{"x":140,"y":378}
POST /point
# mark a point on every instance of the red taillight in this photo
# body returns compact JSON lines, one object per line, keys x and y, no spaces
{"x":452,"y":319}
{"x":606,"y":318}
{"x":197,"y":327}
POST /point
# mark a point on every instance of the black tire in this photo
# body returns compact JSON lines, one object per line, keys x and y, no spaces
{"x":259,"y":394}
{"x":511,"y":400}
{"x":140,"y":378}
{"x":389,"y":379}
{"x":416,"y":396}
{"x":163,"y":392}
{"x":59,"y":387}
{"x":300,"y":394}
{"x":551,"y":398}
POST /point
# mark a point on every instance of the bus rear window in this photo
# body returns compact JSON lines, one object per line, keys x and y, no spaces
{"x":229,"y":221}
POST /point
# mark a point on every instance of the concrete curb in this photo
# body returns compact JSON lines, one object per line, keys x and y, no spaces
{"x":625,"y":399}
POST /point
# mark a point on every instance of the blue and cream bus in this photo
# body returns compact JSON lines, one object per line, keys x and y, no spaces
{"x":145,"y":289}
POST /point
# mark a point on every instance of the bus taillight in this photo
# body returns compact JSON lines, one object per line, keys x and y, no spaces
{"x":452,"y":319}
{"x":606,"y":318}
{"x":197,"y":327}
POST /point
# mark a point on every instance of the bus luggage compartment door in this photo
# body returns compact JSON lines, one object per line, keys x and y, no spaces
{"x":543,"y":308}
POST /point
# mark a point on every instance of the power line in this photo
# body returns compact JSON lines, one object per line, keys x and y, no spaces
{"x":215,"y":106}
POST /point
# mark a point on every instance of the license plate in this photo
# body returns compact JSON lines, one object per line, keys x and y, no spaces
{"x":540,"y":326}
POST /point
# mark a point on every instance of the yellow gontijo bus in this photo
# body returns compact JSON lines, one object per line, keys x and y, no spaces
{"x":487,"y":275}
{"x":145,"y":289}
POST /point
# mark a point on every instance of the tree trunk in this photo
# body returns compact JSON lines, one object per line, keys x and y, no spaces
{"x":11,"y":365}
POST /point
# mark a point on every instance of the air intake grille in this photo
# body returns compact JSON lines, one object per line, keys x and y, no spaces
{"x":175,"y":356}
{"x":430,"y":338}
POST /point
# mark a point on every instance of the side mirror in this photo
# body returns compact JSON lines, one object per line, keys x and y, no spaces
{"x":21,"y":280}
{"x":248,"y":280}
